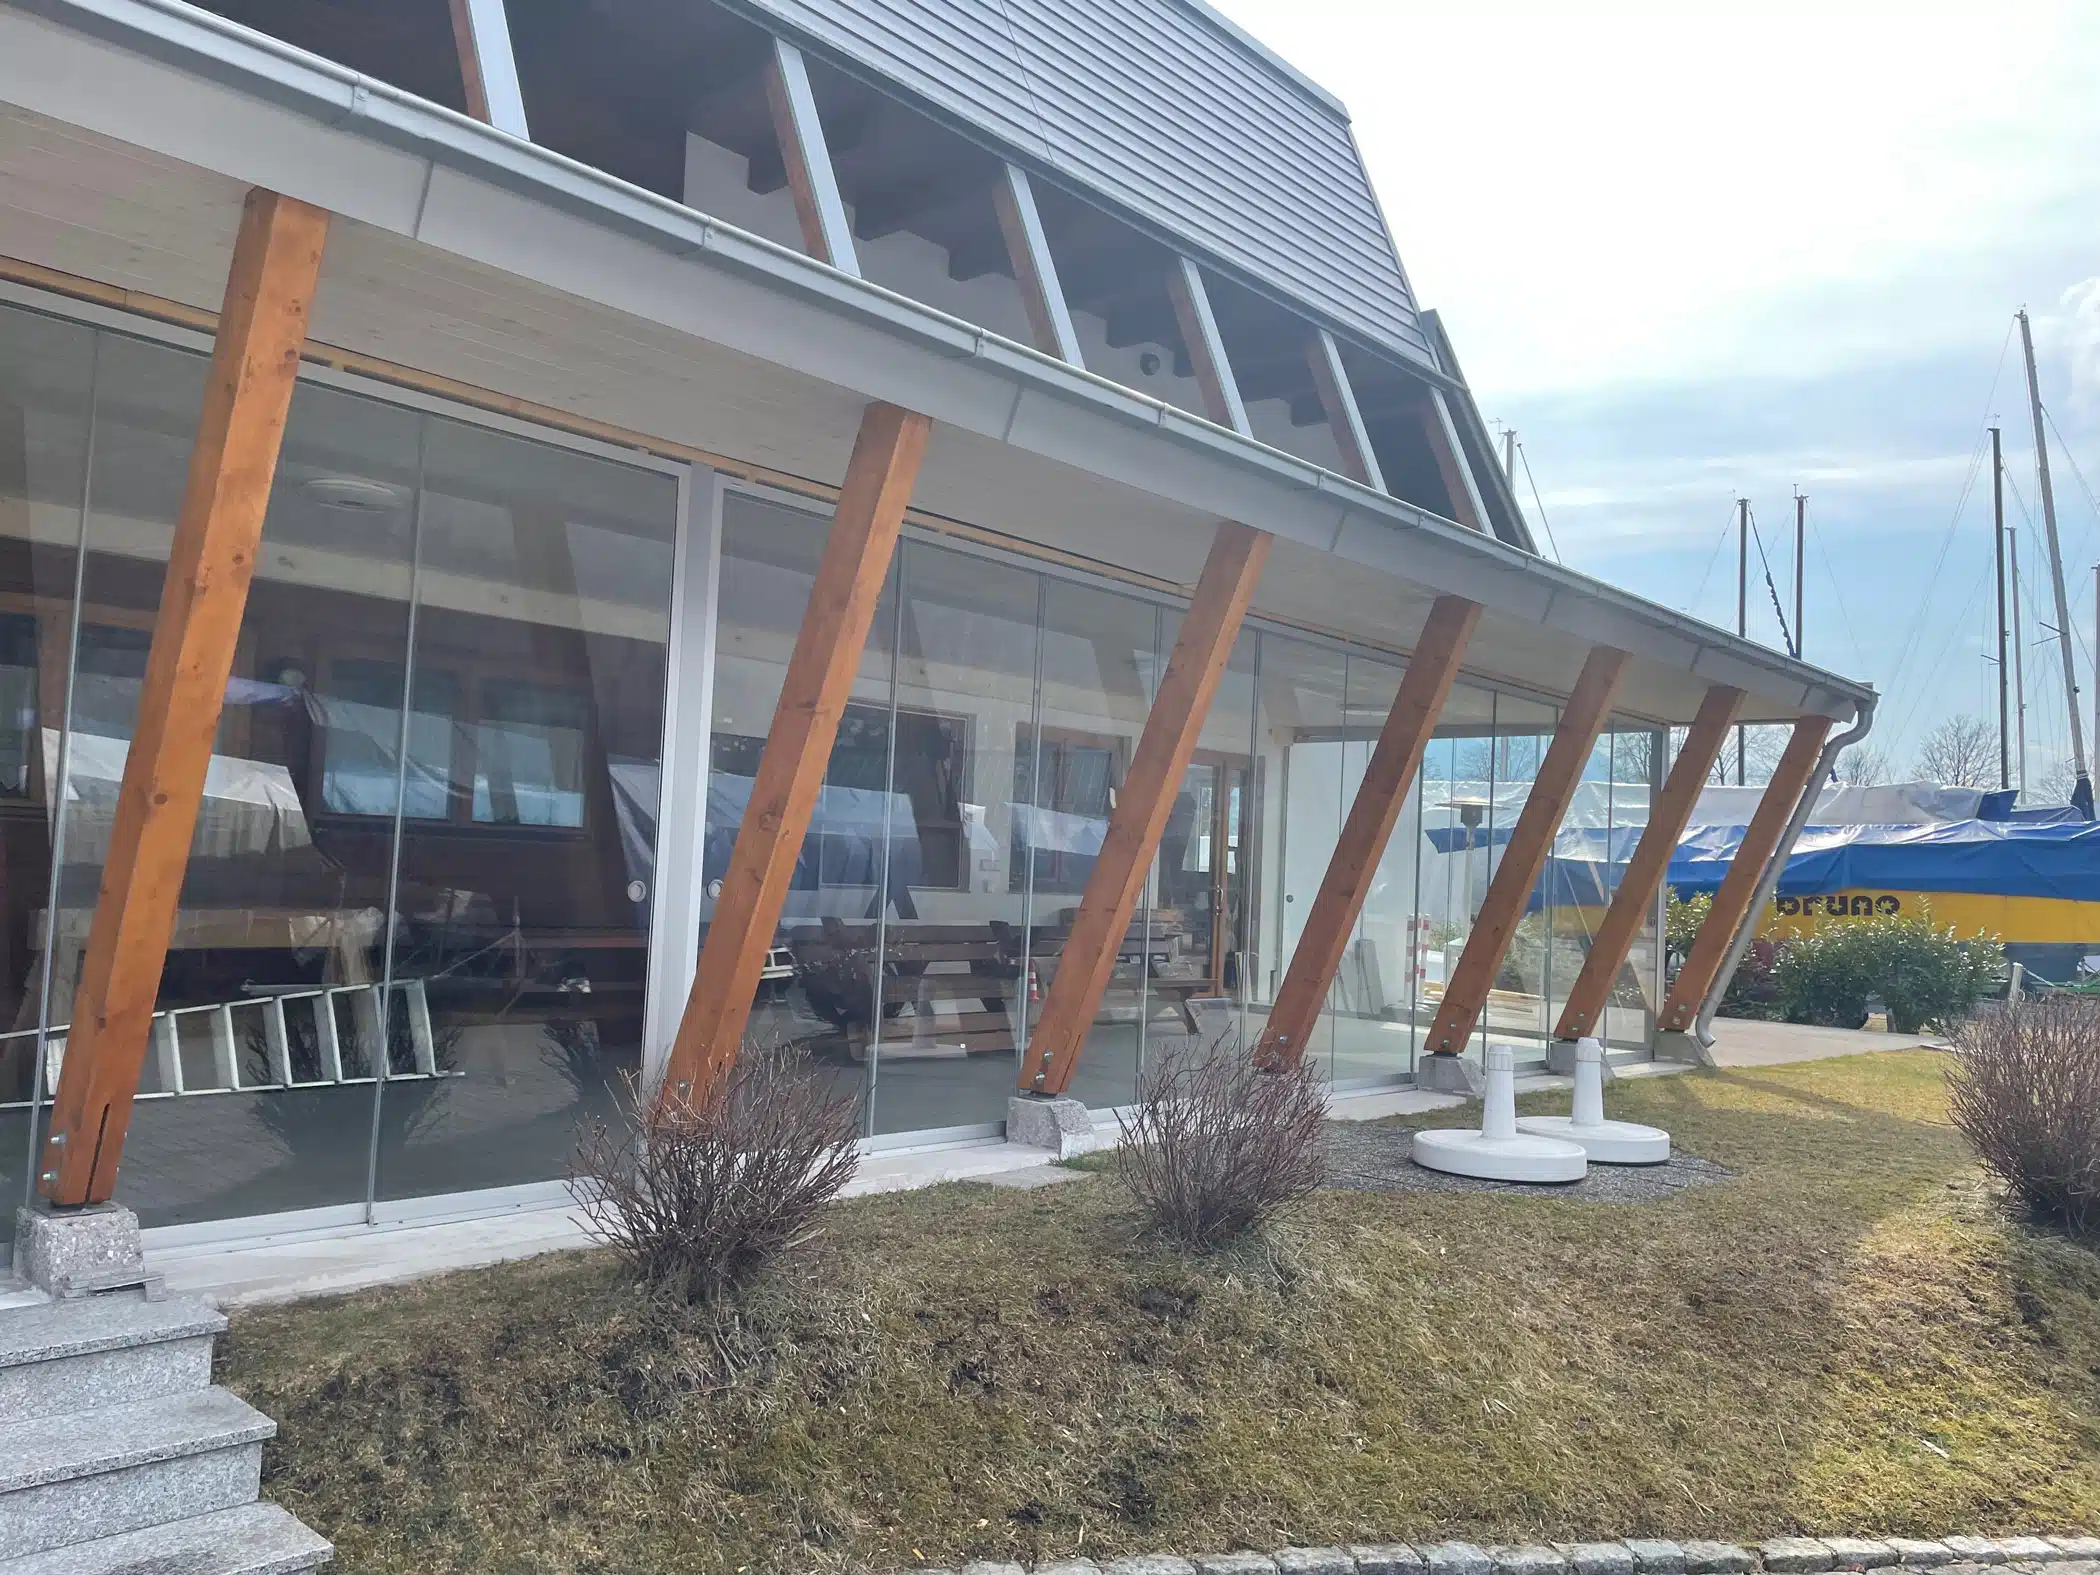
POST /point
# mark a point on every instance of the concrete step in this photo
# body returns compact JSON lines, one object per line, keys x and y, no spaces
{"x":88,"y":1474}
{"x":255,"y":1539}
{"x":68,"y":1356}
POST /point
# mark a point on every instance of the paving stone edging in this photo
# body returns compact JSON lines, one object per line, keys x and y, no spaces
{"x":1634,"y":1556}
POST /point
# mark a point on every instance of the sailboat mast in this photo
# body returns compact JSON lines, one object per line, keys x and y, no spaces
{"x":2082,"y":794}
{"x":1998,"y":551}
{"x":1742,"y":616}
{"x":1800,"y":542}
{"x":2019,"y":645}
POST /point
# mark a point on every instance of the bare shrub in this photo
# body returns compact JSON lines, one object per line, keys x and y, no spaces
{"x":1216,"y":1145}
{"x":2025,"y":1092}
{"x":698,"y":1195}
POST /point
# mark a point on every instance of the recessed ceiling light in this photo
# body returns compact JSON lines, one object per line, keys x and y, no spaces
{"x":358,"y":494}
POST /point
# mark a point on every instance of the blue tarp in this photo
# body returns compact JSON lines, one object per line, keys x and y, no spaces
{"x":2002,"y":858}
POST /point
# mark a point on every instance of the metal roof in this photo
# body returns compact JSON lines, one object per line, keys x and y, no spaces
{"x":1164,"y":108}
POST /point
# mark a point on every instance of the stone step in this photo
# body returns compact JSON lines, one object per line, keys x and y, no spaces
{"x":88,"y":1474}
{"x":68,"y":1356}
{"x":254,"y":1539}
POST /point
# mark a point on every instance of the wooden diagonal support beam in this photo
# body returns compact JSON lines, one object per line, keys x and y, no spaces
{"x":819,"y":678}
{"x":1441,"y":432}
{"x":1354,"y":864}
{"x":1635,"y":899}
{"x":1797,"y":764}
{"x":1581,"y":720}
{"x":1164,"y":750}
{"x":806,"y":156}
{"x":1049,"y":318}
{"x":488,"y":69}
{"x":1206,"y":346}
{"x":254,"y":365}
{"x":1338,"y":402}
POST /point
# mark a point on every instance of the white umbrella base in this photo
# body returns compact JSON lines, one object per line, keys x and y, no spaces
{"x":1463,"y":1151}
{"x":1606,"y":1142}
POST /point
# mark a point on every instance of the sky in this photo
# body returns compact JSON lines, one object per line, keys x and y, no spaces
{"x":1699,"y":251}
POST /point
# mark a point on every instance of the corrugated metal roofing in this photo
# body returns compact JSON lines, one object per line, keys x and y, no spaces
{"x":1163,"y":108}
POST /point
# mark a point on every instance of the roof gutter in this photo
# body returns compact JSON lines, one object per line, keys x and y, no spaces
{"x":1768,"y":878}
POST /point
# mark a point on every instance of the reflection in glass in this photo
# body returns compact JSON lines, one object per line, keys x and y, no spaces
{"x":47,"y":370}
{"x":518,"y":964}
{"x":1303,"y":745}
{"x":1102,"y":654}
{"x":955,"y":954}
{"x":256,"y":1095}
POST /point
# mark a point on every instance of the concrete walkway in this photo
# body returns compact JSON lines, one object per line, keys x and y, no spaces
{"x":1742,"y":1042}
{"x":332,"y":1262}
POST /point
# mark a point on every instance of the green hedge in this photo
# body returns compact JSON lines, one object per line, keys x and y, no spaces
{"x":1924,"y":975}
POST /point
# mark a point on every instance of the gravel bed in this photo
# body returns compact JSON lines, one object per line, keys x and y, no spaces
{"x":1366,"y":1158}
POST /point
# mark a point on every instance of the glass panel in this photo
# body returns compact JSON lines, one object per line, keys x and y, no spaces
{"x":1637,"y":767}
{"x":1303,"y":745}
{"x":1209,"y":862}
{"x":1452,"y":873}
{"x":528,"y":830}
{"x":1376,"y":993}
{"x":818,"y":989}
{"x":1101,"y":658}
{"x":953,"y":965}
{"x":46,"y":373}
{"x":1516,"y":1008}
{"x":1575,"y":890}
{"x":255,"y":1095}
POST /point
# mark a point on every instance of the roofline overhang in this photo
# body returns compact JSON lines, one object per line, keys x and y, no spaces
{"x":287,"y":120}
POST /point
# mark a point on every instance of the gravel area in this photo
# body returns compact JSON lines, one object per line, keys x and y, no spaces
{"x":1366,"y":1158}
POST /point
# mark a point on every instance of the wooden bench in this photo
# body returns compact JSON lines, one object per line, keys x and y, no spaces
{"x":947,"y":989}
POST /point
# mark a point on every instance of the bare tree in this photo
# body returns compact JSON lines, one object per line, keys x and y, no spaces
{"x":1962,"y":751}
{"x":1864,"y":765}
{"x":2054,"y":785}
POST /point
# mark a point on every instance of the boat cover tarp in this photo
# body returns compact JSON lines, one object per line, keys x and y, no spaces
{"x":1999,"y":858}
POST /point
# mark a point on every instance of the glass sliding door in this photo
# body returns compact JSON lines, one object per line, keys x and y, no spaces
{"x":1302,"y":746}
{"x":1206,"y":870}
{"x":526,"y":807}
{"x":46,"y":393}
{"x":1102,"y":654}
{"x":256,"y":1093}
{"x":956,"y":967}
{"x":1376,"y":994}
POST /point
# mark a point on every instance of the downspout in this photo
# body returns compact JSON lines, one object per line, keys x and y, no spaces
{"x":1768,"y":881}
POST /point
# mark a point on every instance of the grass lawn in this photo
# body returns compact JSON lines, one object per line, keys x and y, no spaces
{"x":1848,"y":1336}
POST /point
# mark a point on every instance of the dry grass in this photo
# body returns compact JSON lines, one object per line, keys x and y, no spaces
{"x":1850,"y":1335}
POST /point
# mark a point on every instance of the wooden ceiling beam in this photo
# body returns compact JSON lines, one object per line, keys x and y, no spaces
{"x":1205,"y":346}
{"x":488,"y":68}
{"x":826,"y":235}
{"x":1028,"y":247}
{"x":1323,"y":359}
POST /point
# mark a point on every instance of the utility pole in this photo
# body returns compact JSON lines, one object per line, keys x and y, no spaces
{"x":1800,"y":543}
{"x":2082,"y":794}
{"x":1742,"y":615}
{"x":1998,"y":551}
{"x":1509,"y":456}
{"x":2019,"y":644}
